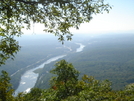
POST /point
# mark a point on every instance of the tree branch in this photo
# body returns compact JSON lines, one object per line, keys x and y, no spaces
{"x":40,"y":1}
{"x":28,"y":2}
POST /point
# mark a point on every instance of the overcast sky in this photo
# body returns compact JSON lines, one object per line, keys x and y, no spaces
{"x":120,"y":19}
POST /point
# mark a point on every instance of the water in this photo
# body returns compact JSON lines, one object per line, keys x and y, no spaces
{"x":80,"y":48}
{"x":29,"y":78}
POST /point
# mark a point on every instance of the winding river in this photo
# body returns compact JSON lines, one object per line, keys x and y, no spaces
{"x":80,"y":48}
{"x":29,"y":78}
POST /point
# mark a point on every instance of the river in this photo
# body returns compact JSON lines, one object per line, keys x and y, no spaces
{"x":29,"y":78}
{"x":80,"y":48}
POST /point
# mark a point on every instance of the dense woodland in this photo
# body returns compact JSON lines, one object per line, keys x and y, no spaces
{"x":35,"y":49}
{"x":65,"y":86}
{"x":104,"y":57}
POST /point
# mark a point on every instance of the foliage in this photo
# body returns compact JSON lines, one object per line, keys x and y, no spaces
{"x":5,"y":87}
{"x":31,"y":56}
{"x":86,"y":89}
{"x":56,"y":15}
{"x":8,"y":46}
{"x":106,"y":57}
{"x":92,"y":90}
{"x":34,"y":95}
{"x":66,"y":80}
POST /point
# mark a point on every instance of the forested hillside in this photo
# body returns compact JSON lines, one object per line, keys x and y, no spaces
{"x":104,"y":57}
{"x":65,"y":86}
{"x":108,"y":56}
{"x":35,"y":49}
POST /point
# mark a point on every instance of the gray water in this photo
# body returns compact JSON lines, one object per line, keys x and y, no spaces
{"x":29,"y":78}
{"x":80,"y":48}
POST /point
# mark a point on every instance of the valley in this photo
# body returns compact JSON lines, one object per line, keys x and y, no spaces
{"x":108,"y":56}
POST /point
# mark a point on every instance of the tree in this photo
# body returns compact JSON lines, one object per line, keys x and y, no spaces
{"x":6,"y":90}
{"x":65,"y":86}
{"x":33,"y":95}
{"x":66,"y":80}
{"x":56,"y":15}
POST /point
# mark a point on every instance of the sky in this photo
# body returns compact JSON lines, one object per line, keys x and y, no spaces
{"x":120,"y":19}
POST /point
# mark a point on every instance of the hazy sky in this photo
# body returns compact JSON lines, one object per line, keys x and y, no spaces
{"x":120,"y":19}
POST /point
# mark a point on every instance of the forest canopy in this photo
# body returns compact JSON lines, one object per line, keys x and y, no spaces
{"x":65,"y":86}
{"x":58,"y":16}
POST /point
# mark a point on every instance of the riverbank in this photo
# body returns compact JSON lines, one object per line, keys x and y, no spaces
{"x":29,"y":78}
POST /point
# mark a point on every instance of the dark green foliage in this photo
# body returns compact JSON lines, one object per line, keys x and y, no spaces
{"x":65,"y":72}
{"x":6,"y":90}
{"x":33,"y":95}
{"x":104,"y":57}
{"x":8,"y":46}
{"x":107,"y":57}
{"x":31,"y":55}
{"x":87,"y":89}
{"x":71,"y":89}
{"x":66,"y":80}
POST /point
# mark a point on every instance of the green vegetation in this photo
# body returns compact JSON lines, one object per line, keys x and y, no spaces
{"x":104,"y":57}
{"x":58,"y":17}
{"x":108,"y":57}
{"x":31,"y":56}
{"x":5,"y":87}
{"x":65,"y":86}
